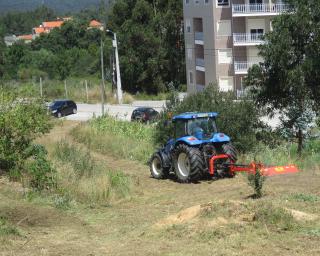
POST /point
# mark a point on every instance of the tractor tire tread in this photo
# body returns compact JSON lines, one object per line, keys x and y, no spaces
{"x":196,"y":163}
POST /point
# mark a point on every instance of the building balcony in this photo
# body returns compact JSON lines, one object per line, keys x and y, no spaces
{"x":200,"y":64}
{"x":246,"y":10}
{"x":198,"y":38}
{"x":242,"y":39}
{"x":242,"y":67}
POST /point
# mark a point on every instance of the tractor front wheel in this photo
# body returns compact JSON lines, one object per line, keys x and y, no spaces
{"x":156,"y":167}
{"x":188,"y":163}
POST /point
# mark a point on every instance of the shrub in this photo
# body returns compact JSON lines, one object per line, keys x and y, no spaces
{"x":238,"y":119}
{"x":21,"y":121}
{"x":39,"y":169}
{"x":256,"y":181}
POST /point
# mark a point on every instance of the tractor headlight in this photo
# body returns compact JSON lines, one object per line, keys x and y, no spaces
{"x":54,"y":111}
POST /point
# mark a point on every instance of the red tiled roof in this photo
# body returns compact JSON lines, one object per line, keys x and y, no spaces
{"x":39,"y":30}
{"x":52,"y":24}
{"x":25,"y":37}
{"x":95,"y":23}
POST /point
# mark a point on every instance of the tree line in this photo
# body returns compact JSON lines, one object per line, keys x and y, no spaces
{"x":150,"y":37}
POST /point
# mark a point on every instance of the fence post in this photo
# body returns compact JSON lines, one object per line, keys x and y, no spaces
{"x":41,"y":89}
{"x":65,"y":88}
{"x":87,"y":92}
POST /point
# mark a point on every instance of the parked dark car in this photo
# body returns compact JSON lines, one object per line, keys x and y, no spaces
{"x":59,"y":108}
{"x":144,"y":115}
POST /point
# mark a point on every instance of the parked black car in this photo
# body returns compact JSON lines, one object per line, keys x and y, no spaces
{"x":144,"y":115}
{"x":59,"y":108}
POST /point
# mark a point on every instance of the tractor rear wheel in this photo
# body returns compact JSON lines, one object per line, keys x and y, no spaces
{"x":156,"y":167}
{"x":231,"y":151}
{"x":188,"y":163}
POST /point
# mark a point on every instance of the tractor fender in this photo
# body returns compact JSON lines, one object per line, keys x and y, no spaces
{"x":189,"y":140}
{"x":220,"y":137}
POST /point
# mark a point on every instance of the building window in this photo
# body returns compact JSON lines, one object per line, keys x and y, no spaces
{"x":196,"y":1}
{"x":190,"y":77}
{"x":189,"y":53}
{"x":187,"y":1}
{"x":206,"y":1}
{"x":223,"y":3}
{"x":226,"y":84}
{"x":225,"y":56}
{"x":188,"y":26}
{"x":224,"y":28}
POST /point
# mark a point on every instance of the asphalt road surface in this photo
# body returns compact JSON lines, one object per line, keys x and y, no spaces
{"x":124,"y":111}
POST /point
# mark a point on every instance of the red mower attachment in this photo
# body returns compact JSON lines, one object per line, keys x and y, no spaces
{"x":251,"y":168}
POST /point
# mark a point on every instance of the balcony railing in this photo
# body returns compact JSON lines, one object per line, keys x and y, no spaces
{"x":242,"y":67}
{"x":198,"y":36}
{"x":199,"y":62}
{"x":259,"y":9}
{"x":247,"y":39}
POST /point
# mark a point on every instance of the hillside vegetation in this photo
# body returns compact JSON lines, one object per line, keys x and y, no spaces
{"x":61,"y":6}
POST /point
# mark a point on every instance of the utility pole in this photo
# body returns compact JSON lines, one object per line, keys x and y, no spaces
{"x":119,"y":89}
{"x":102,"y":78}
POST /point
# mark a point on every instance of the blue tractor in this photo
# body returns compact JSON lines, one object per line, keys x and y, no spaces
{"x":196,"y":151}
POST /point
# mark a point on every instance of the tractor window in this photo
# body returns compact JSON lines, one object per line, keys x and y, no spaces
{"x":202,"y":128}
{"x":180,"y":129}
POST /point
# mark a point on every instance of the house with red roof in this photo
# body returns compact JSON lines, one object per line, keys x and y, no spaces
{"x":96,"y":24}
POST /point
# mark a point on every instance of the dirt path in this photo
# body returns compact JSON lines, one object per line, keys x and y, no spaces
{"x":194,"y":219}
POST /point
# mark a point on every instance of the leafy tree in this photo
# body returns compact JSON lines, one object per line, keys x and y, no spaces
{"x":288,"y":80}
{"x":22,"y":22}
{"x":150,"y":43}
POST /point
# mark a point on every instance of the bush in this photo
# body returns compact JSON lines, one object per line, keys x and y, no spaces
{"x":256,"y":181}
{"x":238,"y":119}
{"x":21,"y":121}
{"x":41,"y":173}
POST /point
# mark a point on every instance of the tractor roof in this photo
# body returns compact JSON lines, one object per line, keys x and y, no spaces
{"x":193,"y":115}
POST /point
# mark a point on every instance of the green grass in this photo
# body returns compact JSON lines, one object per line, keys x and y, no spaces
{"x":286,"y":154}
{"x":6,"y":228}
{"x":129,"y":140}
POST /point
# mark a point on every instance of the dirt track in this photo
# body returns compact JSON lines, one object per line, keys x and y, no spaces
{"x":161,"y":218}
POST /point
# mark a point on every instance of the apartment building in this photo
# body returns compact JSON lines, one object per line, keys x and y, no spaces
{"x":221,"y":39}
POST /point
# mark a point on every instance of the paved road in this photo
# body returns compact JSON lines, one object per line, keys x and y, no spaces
{"x":87,"y":111}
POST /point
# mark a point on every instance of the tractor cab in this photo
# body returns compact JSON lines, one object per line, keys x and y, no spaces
{"x":202,"y":126}
{"x":197,"y":128}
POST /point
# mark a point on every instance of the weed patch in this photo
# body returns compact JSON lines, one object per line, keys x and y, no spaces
{"x":119,"y":138}
{"x":304,"y":198}
{"x":83,"y":179}
{"x":276,"y":217}
{"x":7,"y":229}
